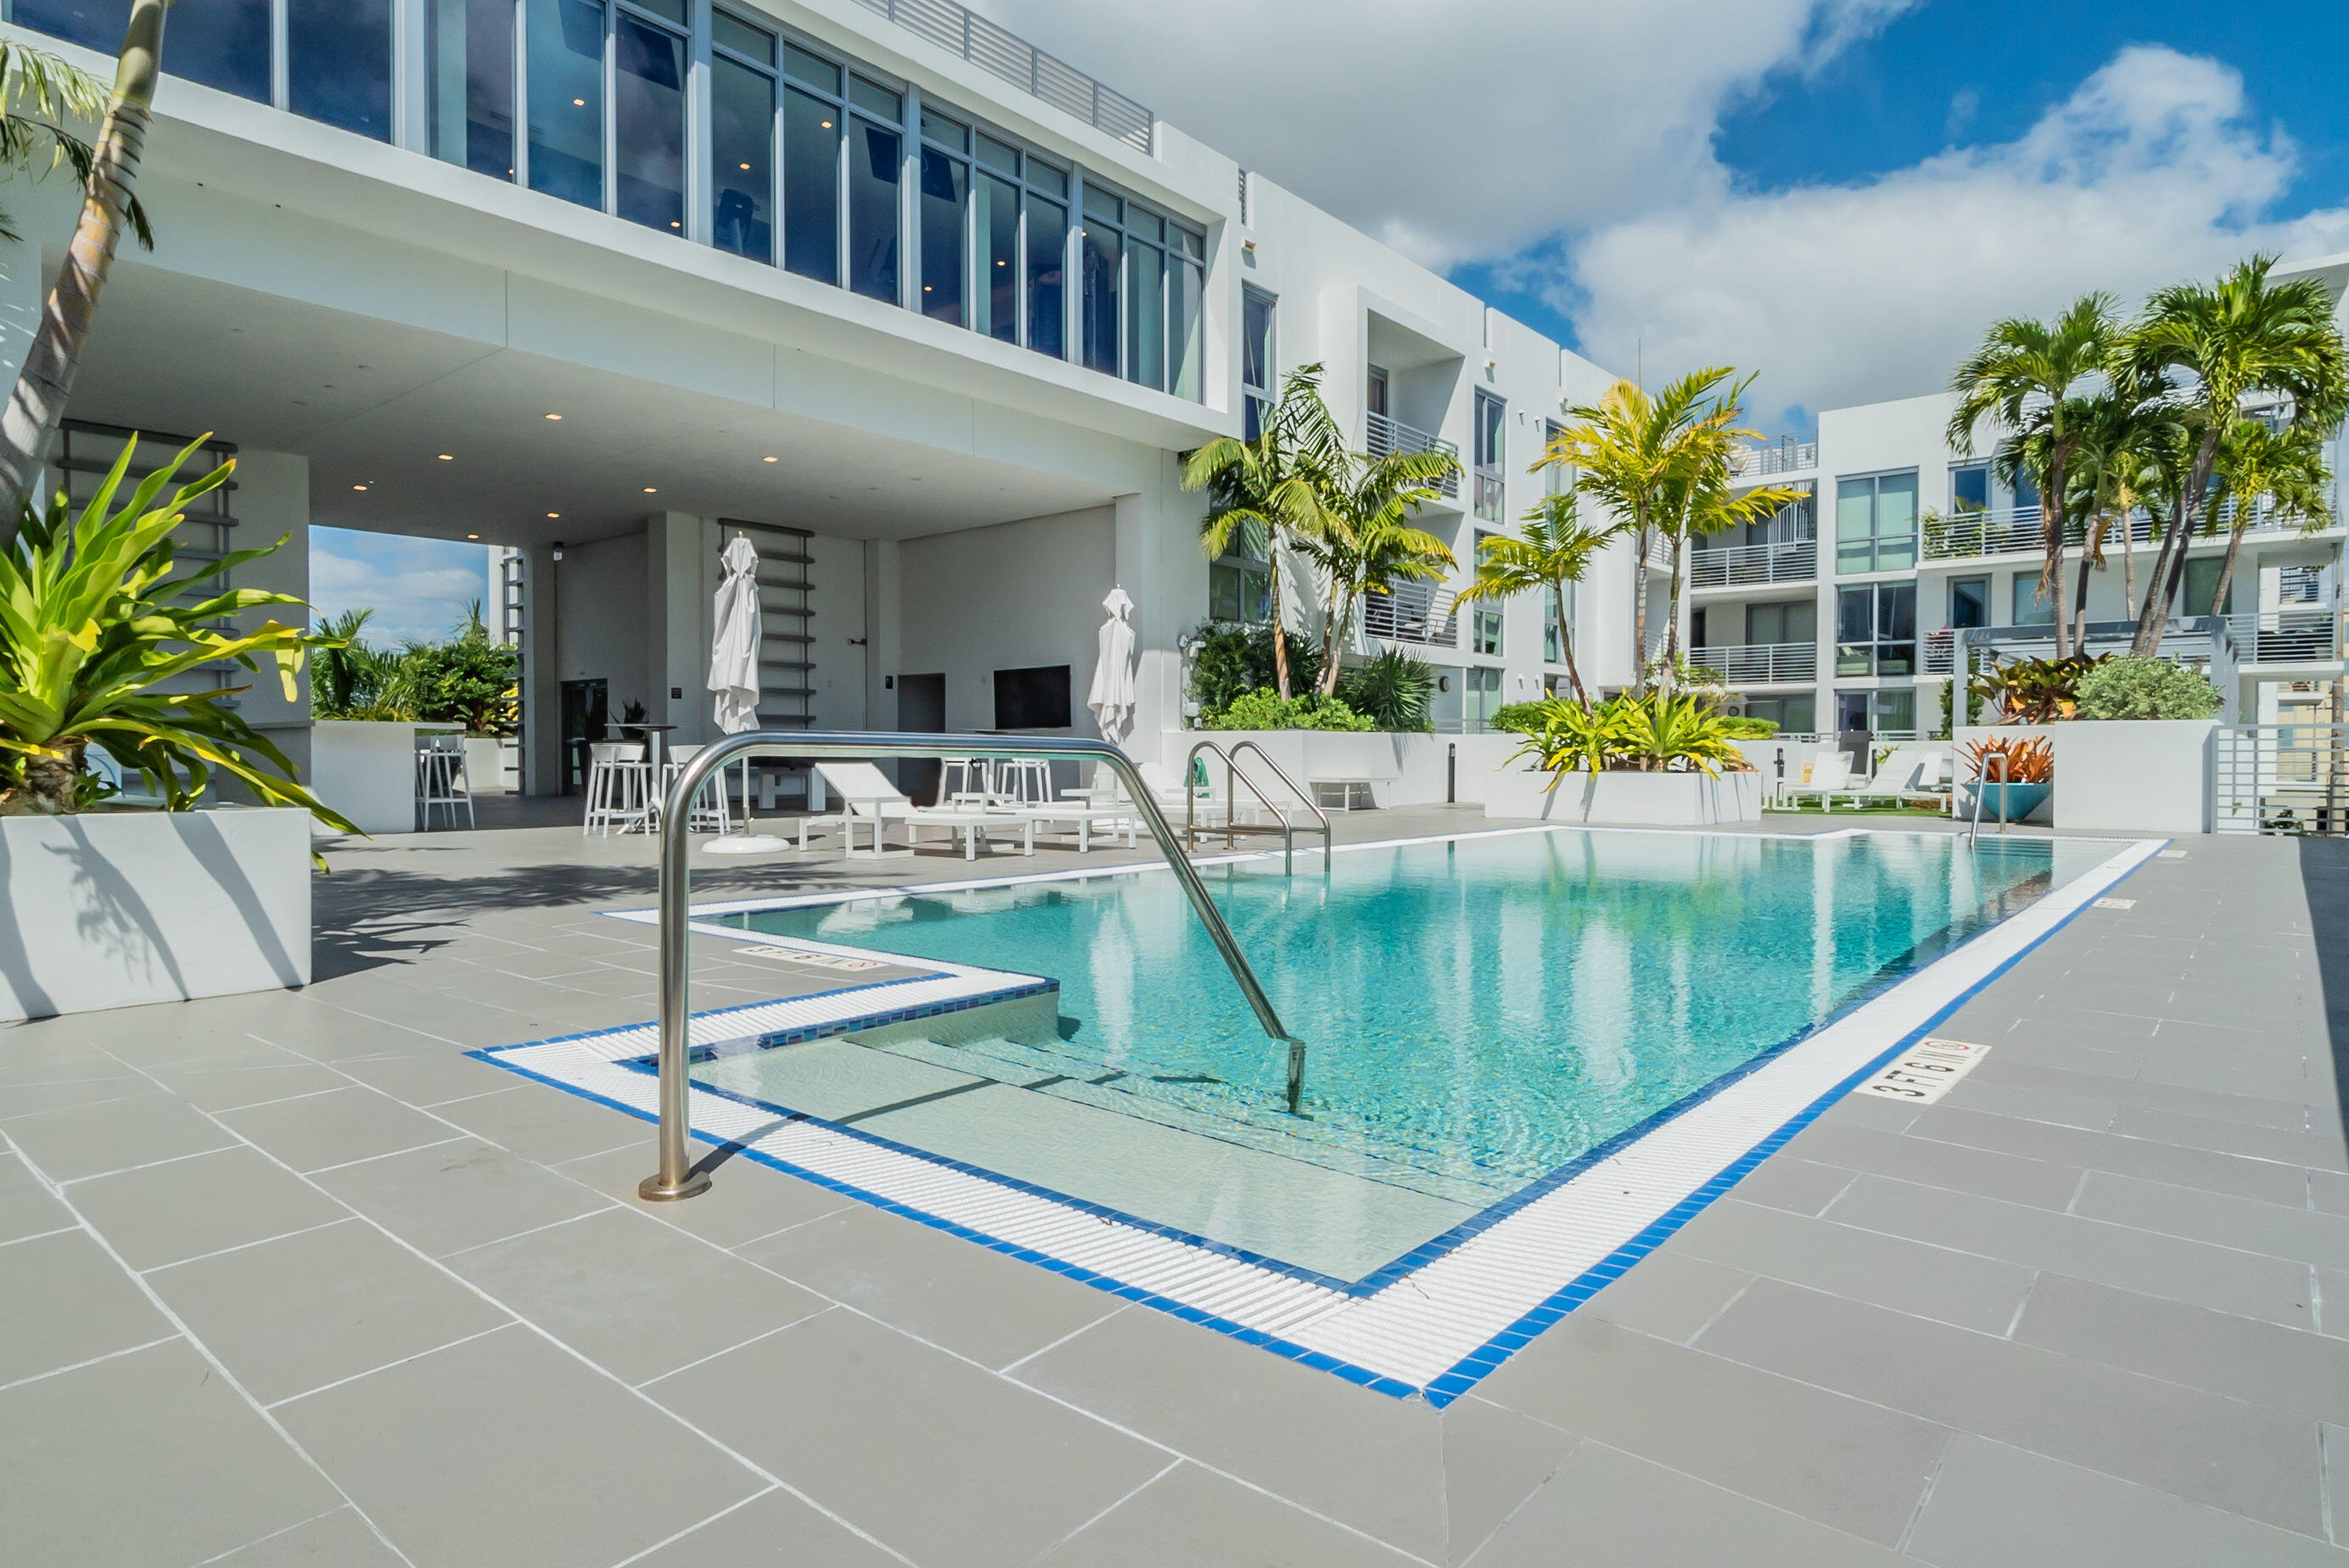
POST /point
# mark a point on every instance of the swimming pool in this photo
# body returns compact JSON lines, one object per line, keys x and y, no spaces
{"x":1527,"y":1050}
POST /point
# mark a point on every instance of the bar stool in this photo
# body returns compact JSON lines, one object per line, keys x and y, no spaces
{"x":619,"y":785}
{"x":711,"y":813}
{"x":440,"y":779}
{"x":965,"y":780}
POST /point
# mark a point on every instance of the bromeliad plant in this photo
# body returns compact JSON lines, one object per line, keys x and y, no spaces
{"x":95,"y":620}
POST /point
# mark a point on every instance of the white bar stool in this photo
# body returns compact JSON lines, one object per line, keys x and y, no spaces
{"x":713,"y":813}
{"x":619,"y":787}
{"x":440,"y":779}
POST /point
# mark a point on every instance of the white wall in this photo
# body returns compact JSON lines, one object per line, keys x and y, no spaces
{"x":1008,"y":597}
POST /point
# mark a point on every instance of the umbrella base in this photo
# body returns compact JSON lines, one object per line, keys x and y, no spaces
{"x":745,"y":844}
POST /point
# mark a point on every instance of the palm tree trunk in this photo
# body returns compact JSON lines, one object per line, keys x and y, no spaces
{"x":2050,"y":521}
{"x":2227,"y":567}
{"x":2128,"y":567}
{"x":1673,"y":620}
{"x":37,"y":406}
{"x":1640,"y":610}
{"x":1280,"y":633}
{"x":1565,"y":646}
{"x":2080,"y":589}
{"x":1336,"y":631}
{"x":2170,"y":568}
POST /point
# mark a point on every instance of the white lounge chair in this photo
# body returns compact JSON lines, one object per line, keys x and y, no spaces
{"x":1830,"y":776}
{"x":869,"y":799}
{"x":1910,"y":773}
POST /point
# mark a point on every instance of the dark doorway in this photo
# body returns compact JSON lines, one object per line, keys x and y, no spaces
{"x":586,"y":709}
{"x":921,"y":710}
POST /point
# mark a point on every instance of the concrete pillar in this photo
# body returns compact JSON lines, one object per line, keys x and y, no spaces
{"x":272,"y":501}
{"x":677,"y":624}
{"x":884,"y":622}
{"x":542,"y":737}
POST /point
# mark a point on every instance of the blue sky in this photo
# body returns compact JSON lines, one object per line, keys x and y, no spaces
{"x":417,"y":588}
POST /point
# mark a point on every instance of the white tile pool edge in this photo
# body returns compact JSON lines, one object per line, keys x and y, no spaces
{"x":1435,"y":1330}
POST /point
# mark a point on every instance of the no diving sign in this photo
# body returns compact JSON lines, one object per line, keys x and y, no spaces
{"x":1925,"y":1071}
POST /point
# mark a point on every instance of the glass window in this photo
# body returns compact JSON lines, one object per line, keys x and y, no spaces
{"x":1875,"y":629}
{"x":742,"y":159}
{"x":2031,"y":607}
{"x":670,"y":10}
{"x":945,"y":182}
{"x":1490,"y":429}
{"x":1779,"y":624}
{"x":566,"y":100}
{"x":2201,"y":583}
{"x":1876,"y":523}
{"x":994,"y":308}
{"x":1969,"y":602}
{"x":1256,"y":363}
{"x":472,"y":87}
{"x":338,"y":63}
{"x":2026,"y":490}
{"x":1792,"y":715}
{"x":1969,"y":488}
{"x":813,"y":69}
{"x":1552,"y":645}
{"x":1145,"y":331}
{"x":1100,"y":204}
{"x":222,"y":43}
{"x":1481,"y":694}
{"x":1046,"y":177}
{"x":1238,"y":591}
{"x":752,"y":43}
{"x":1047,"y":238}
{"x":649,"y":122}
{"x":811,"y":186}
{"x":876,"y":101}
{"x":1102,"y":254}
{"x":874,"y":158}
{"x":1487,"y":633}
{"x":993,"y":155}
{"x":947,"y":132}
{"x":1186,"y":288}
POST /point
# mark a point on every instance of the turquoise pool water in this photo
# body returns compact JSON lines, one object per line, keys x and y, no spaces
{"x":1479,"y":1011}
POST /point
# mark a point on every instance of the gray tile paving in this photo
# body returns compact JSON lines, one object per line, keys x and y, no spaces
{"x":167,"y":1213}
{"x":2141,"y":1157}
{"x":335,"y":1128}
{"x":2283,"y":1229}
{"x":66,"y":1302}
{"x":26,"y":1207}
{"x":460,"y":1195}
{"x":1670,"y":1296}
{"x":342,"y":1539}
{"x":2012,"y":1177}
{"x":455,"y":1455}
{"x":1191,"y":1516}
{"x":775,"y":1529}
{"x":1949,"y":1287}
{"x":1796,"y":1185}
{"x":84,"y":1140}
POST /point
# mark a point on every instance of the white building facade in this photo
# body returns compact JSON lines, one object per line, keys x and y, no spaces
{"x":928,"y":314}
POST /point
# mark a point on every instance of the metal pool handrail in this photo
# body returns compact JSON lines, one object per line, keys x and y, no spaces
{"x":1981,"y":787}
{"x":677,"y":1178}
{"x":1234,"y":774}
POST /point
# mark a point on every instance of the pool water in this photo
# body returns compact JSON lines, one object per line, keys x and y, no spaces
{"x":1478,"y":1011}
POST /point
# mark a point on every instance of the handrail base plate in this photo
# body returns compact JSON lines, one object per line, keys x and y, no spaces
{"x":653,"y":1190}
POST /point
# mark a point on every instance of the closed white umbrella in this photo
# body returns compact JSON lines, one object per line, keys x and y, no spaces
{"x":734,"y":676}
{"x":1112,"y":696}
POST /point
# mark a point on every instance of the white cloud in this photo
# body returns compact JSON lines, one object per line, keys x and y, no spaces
{"x":2154,"y":169}
{"x":417,"y":588}
{"x":1454,"y":132}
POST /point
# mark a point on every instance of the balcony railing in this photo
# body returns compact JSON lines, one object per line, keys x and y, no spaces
{"x":2287,"y":636}
{"x":1412,"y":612}
{"x":1784,"y":456}
{"x":1796,"y":561}
{"x":1384,"y":437}
{"x":1762,"y":663}
{"x":1020,"y":63}
{"x":2018,"y":529}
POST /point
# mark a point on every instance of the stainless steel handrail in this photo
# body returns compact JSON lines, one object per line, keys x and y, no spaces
{"x":1981,"y":781}
{"x":1231,"y":829}
{"x":677,"y":1178}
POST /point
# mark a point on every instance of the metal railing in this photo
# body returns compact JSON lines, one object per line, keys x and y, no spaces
{"x":1963,"y":535}
{"x":1981,"y":787}
{"x":1760,"y":664}
{"x":1784,"y":456}
{"x":2286,"y":637}
{"x":677,"y":1177}
{"x":1792,"y":560}
{"x":1411,"y":613}
{"x":1007,"y":55}
{"x":1233,"y":828}
{"x":2280,"y":778}
{"x":1383,"y":436}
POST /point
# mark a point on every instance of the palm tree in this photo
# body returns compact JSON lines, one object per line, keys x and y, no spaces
{"x":2218,"y":345}
{"x":2023,"y":376}
{"x":2286,"y":469}
{"x":1556,"y":550}
{"x":2128,"y":447}
{"x":1710,"y":505}
{"x":1637,"y":455}
{"x":1363,"y":539}
{"x":36,"y":407}
{"x":1270,"y":490}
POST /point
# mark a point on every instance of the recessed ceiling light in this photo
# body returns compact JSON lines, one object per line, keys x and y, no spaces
{"x":554,"y":415}
{"x":578,"y":103}
{"x":770,"y":459}
{"x":745,"y":166}
{"x":359,"y":487}
{"x":827,"y":125}
{"x":650,"y":490}
{"x":473,"y":536}
{"x":447,"y":456}
{"x":555,"y":514}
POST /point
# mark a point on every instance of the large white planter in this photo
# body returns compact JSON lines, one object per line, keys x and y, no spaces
{"x":2118,"y":776}
{"x":367,"y":770}
{"x":1625,"y":799}
{"x":113,"y":909}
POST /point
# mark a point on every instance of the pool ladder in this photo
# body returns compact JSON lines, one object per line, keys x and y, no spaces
{"x":678,"y":1177}
{"x":1981,"y":787}
{"x":1233,"y":828}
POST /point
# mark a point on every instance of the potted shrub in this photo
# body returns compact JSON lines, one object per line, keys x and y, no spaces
{"x":2013,"y":774}
{"x":109,"y":906}
{"x":1666,"y":759}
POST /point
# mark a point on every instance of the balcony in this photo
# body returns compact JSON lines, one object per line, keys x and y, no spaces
{"x":1384,"y":437}
{"x":1762,"y":663}
{"x":1796,"y":561}
{"x":2302,"y":636}
{"x":1412,"y":612}
{"x":1007,"y":55}
{"x":2017,"y":530}
{"x":1784,"y":456}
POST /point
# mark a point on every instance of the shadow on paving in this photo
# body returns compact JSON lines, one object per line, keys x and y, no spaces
{"x":2325,"y":877}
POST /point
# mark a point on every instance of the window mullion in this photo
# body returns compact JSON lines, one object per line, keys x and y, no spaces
{"x":700,"y":145}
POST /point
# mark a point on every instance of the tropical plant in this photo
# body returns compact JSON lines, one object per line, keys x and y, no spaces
{"x":1520,"y":717}
{"x":1270,"y":490}
{"x":1662,"y":731}
{"x":1554,"y":552}
{"x":2282,"y":468}
{"x":2215,"y":346}
{"x":1267,"y":709}
{"x":1363,"y":539}
{"x":1228,"y":661}
{"x":2131,"y":454}
{"x":107,"y":172}
{"x":1392,"y":689}
{"x":1573,"y":737}
{"x":2035,"y":691}
{"x":2139,"y":687}
{"x":350,"y":679}
{"x":465,"y":680}
{"x":1709,"y":503}
{"x":95,"y":619}
{"x":2023,"y":378}
{"x":2029,"y":759}
{"x":1738,"y":728}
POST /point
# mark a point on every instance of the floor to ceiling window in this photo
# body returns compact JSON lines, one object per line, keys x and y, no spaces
{"x":1876,"y":522}
{"x":946,"y":192}
{"x":338,"y":62}
{"x":1102,"y":252}
{"x":995,"y":228}
{"x":741,"y":138}
{"x":222,"y":43}
{"x":1048,"y":259}
{"x":649,"y":51}
{"x":875,"y":163}
{"x":814,"y":114}
{"x":565,"y":68}
{"x":470,"y":45}
{"x":1256,"y":370}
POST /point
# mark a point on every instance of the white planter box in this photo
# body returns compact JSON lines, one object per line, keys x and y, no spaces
{"x":367,"y":770}
{"x":2118,"y":776}
{"x":485,"y":765}
{"x":114,"y":909}
{"x":1625,"y":799}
